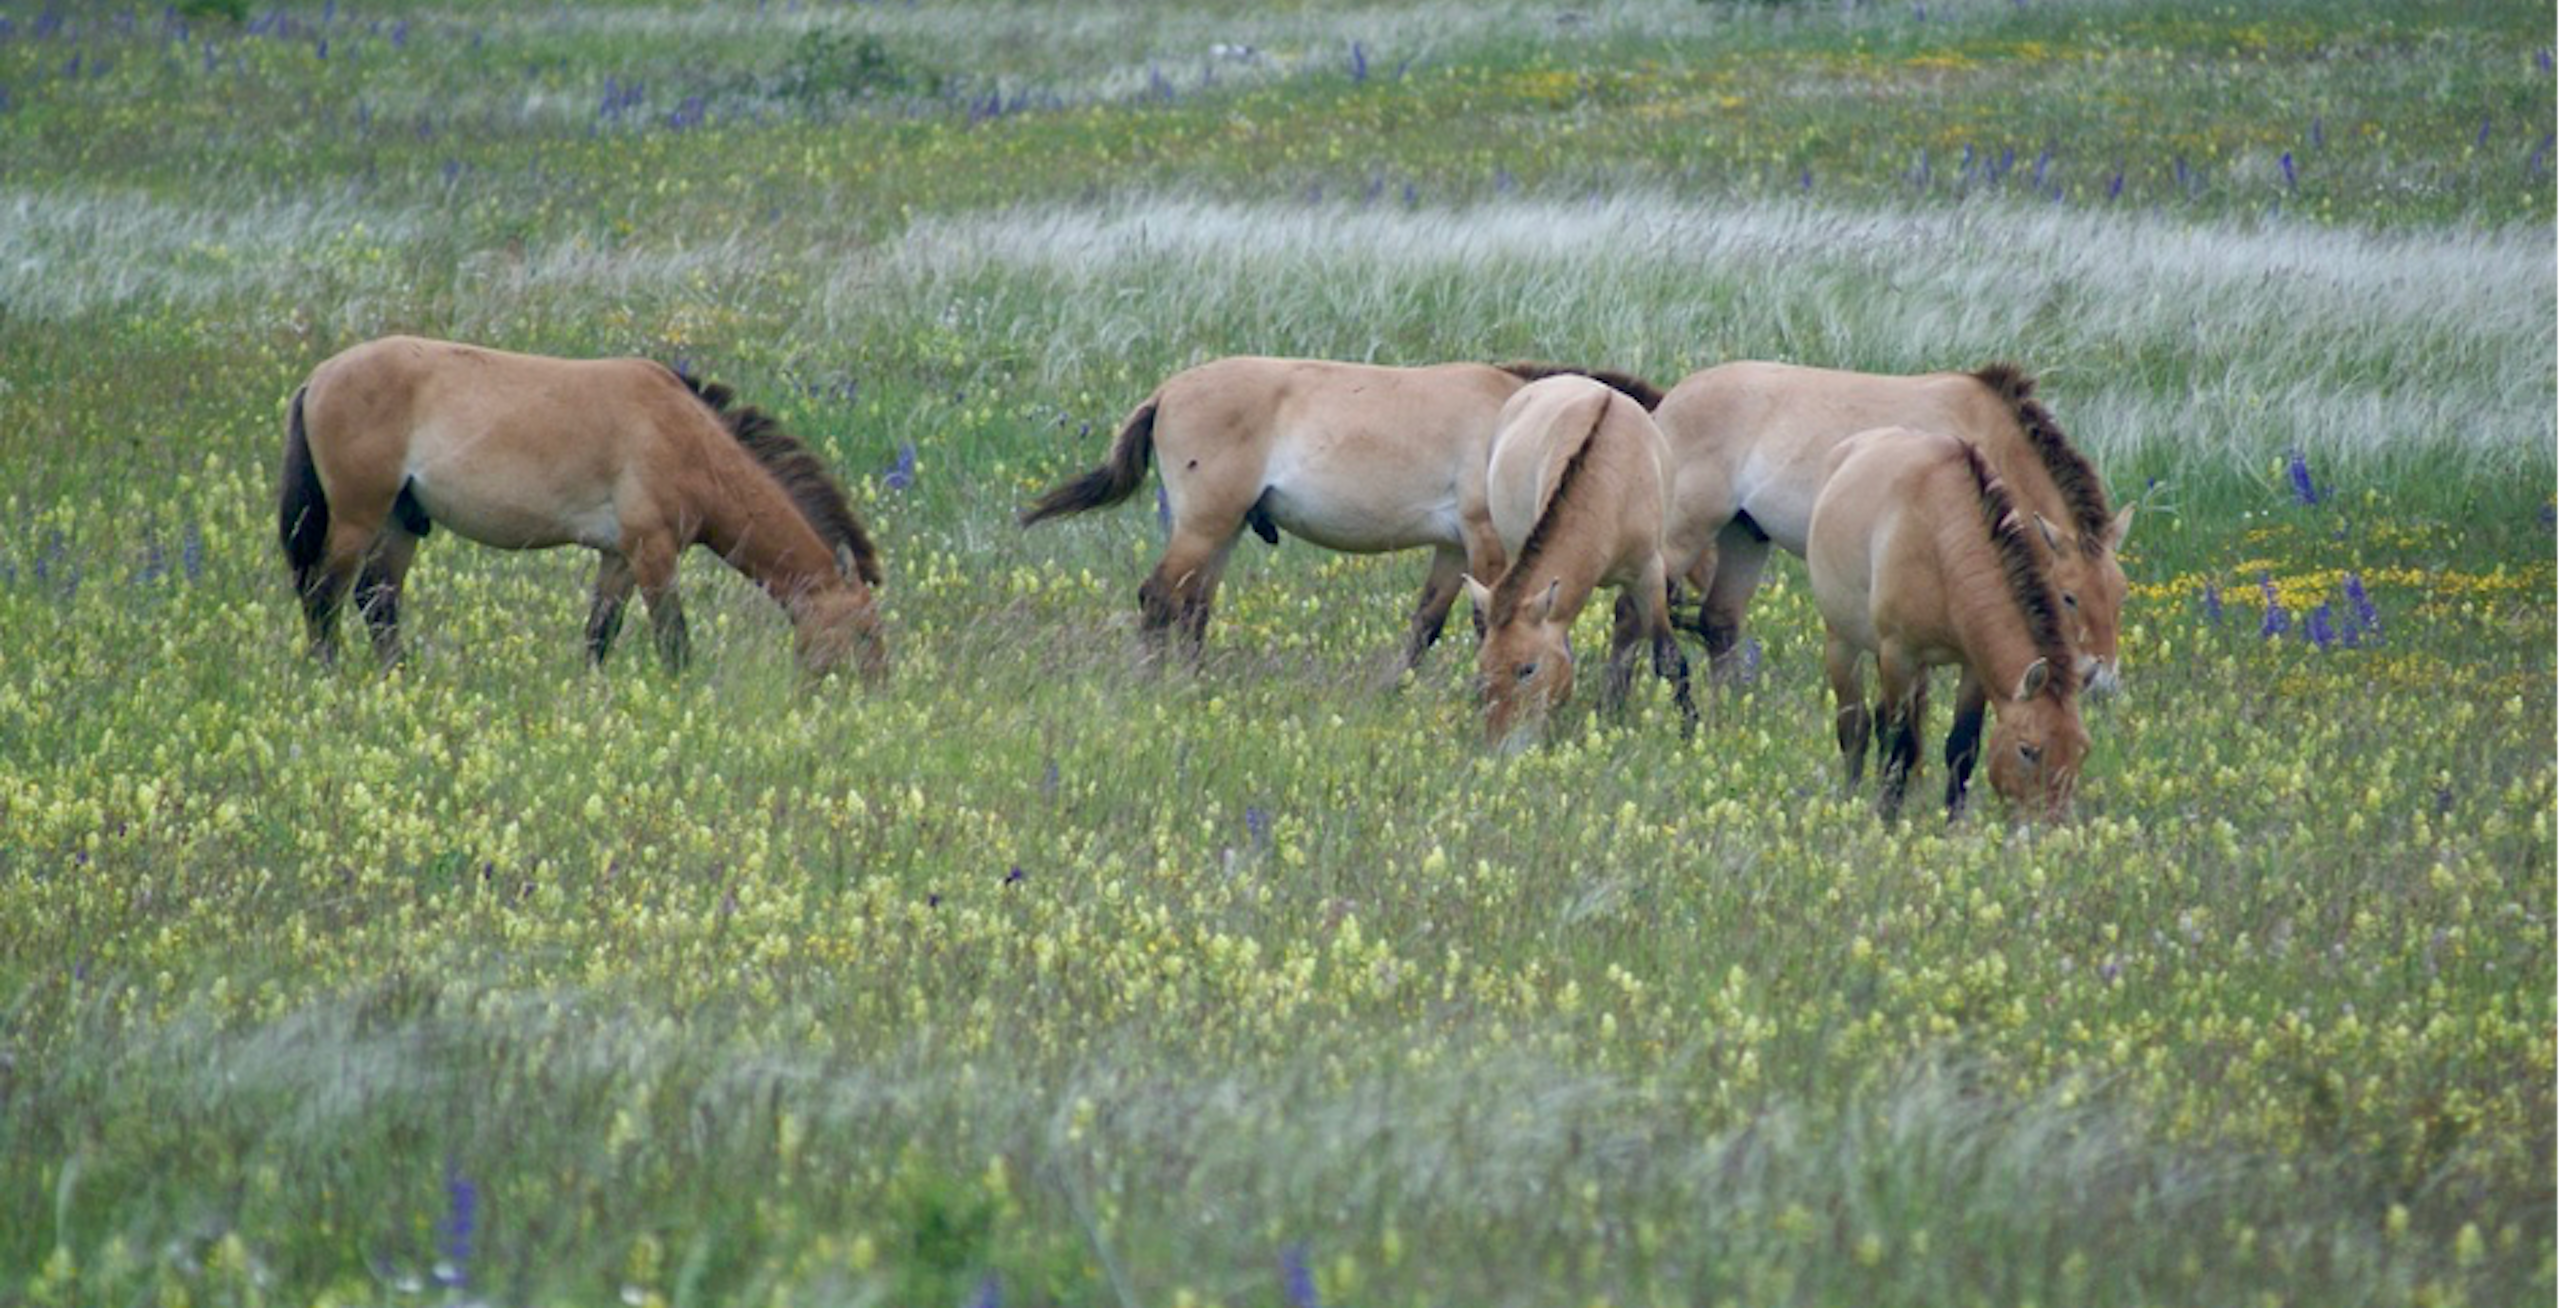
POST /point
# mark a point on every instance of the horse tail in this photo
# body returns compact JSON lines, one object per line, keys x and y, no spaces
{"x":1116,"y":480}
{"x":302,"y":507}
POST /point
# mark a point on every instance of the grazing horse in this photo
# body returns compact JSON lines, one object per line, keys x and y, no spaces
{"x":398,"y":435}
{"x":1576,"y":490}
{"x":1354,"y":457}
{"x":1750,"y":443}
{"x":1920,"y":556}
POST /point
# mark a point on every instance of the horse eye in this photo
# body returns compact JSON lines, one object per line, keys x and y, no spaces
{"x":2070,"y":601}
{"x":1526,"y":671}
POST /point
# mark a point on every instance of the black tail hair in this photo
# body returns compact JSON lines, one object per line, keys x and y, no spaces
{"x":302,"y":508}
{"x":1116,"y":480}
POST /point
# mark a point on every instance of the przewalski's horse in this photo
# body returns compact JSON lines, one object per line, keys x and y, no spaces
{"x":398,"y":435}
{"x":1576,"y":488}
{"x":1749,"y":443}
{"x":1354,"y":457}
{"x":1919,"y":556}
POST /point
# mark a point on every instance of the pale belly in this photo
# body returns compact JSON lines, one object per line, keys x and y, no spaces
{"x":1363,"y":524}
{"x":521,"y":515}
{"x":1779,"y":494}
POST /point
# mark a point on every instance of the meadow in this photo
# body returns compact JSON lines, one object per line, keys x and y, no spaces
{"x":1044,"y":976}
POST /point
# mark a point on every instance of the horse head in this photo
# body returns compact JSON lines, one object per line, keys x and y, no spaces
{"x":2092,"y":588}
{"x":1525,"y":666}
{"x":837,"y":624}
{"x":2037,"y":745}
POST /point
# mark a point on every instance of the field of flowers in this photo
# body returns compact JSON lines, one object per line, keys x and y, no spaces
{"x":1042,"y":977}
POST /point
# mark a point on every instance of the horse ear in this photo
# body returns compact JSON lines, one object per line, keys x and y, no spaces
{"x":1547,"y":602}
{"x":846,"y":564}
{"x":2120,"y":528}
{"x":1478,"y":593}
{"x":2033,"y":681}
{"x":2052,"y":538}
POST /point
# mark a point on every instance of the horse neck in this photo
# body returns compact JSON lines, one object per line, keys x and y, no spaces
{"x":1998,"y":644}
{"x":2031,"y":484}
{"x":751,"y":522}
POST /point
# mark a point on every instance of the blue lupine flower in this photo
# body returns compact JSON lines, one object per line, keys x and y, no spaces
{"x":454,"y":1233}
{"x":1297,"y":1282}
{"x":2212,"y":603}
{"x":2276,"y":620}
{"x":2361,"y":605}
{"x":2316,"y":628}
{"x":2298,"y":471}
{"x":2285,"y":162}
{"x":902,"y":474}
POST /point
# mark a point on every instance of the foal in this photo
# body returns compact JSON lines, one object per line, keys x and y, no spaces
{"x":1575,"y":488}
{"x":1919,"y":556}
{"x":398,"y":435}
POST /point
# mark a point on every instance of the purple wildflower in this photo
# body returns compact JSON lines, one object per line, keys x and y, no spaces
{"x":2212,"y":603}
{"x":2276,"y":620}
{"x":1297,"y":1281}
{"x":902,"y":474}
{"x":2481,"y":142}
{"x":2285,"y":162}
{"x":1257,"y":824}
{"x":2115,"y":184}
{"x":453,"y":1234}
{"x":2362,"y":604}
{"x":1359,"y":63}
{"x":2317,"y":629}
{"x":2298,"y":471}
{"x":1017,"y":876}
{"x":990,"y":1293}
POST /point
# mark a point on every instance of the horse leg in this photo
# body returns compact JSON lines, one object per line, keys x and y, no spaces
{"x":386,"y":566}
{"x":604,"y":618}
{"x":653,"y":566}
{"x":351,"y":538}
{"x":1902,"y":688}
{"x":1178,"y":595}
{"x":1850,"y":721}
{"x":1668,"y":662}
{"x":1732,"y":574}
{"x":1964,"y":741}
{"x":1431,"y":613}
{"x":1626,"y":629}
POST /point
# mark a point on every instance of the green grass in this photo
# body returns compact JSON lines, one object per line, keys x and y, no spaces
{"x":1039,"y":975}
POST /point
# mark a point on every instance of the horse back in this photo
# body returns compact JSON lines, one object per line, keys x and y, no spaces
{"x":1352,"y":456}
{"x":510,"y":449}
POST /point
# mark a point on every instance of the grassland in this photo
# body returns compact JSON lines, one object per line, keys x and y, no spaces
{"x":1038,"y":977}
